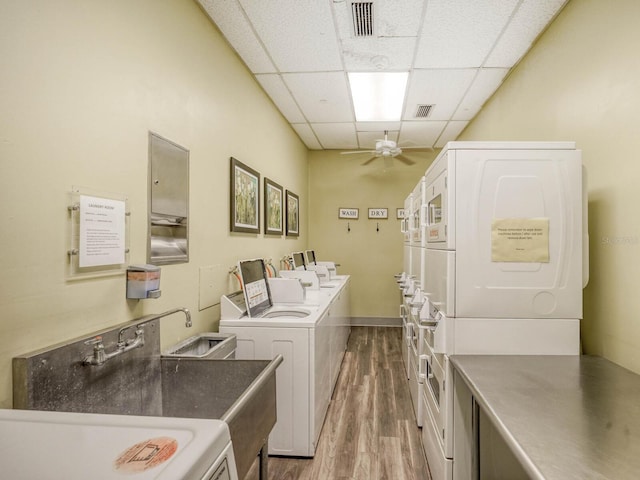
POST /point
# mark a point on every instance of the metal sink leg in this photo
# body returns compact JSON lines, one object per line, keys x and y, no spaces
{"x":263,"y":473}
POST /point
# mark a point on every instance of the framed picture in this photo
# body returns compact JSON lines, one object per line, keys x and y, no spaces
{"x":293,"y":214}
{"x":381,"y":213}
{"x":351,"y":213}
{"x":273,"y":198}
{"x":245,"y":198}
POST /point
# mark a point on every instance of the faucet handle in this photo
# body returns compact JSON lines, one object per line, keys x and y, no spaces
{"x":95,"y":341}
{"x":98,"y":357}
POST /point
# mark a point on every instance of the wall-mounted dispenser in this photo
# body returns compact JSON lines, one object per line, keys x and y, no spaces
{"x":168,"y":202}
{"x":143,"y":281}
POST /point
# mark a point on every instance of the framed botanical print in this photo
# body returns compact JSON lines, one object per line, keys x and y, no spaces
{"x":293,"y":214}
{"x":273,"y":201}
{"x":245,"y":198}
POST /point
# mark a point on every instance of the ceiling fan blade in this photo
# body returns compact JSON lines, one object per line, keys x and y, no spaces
{"x":418,"y":149}
{"x":404,"y":160}
{"x":357,"y":151}
{"x":369,"y":161}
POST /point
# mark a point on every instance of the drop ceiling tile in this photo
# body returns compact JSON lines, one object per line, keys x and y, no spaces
{"x":392,"y":45}
{"x":344,"y":20}
{"x":378,"y":54}
{"x":451,"y":132}
{"x":231,"y":21}
{"x":377,"y":126}
{"x":486,"y":82}
{"x":442,"y":88}
{"x":398,"y":19}
{"x":420,"y":134}
{"x":298,"y":52}
{"x":460,"y":34}
{"x":299,"y":35}
{"x":530,"y":19}
{"x":336,"y":135}
{"x":306,"y":134}
{"x":322,"y":97}
{"x":368,"y":139}
{"x":277,"y":90}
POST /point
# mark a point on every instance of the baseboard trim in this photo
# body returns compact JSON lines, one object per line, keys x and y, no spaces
{"x":375,"y":322}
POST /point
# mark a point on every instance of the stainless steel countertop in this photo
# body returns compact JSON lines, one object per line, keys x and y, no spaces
{"x":563,"y":417}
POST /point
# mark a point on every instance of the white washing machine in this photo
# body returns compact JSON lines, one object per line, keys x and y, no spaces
{"x":70,"y":446}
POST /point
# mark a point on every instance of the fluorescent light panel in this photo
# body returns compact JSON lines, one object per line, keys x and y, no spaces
{"x":378,"y":97}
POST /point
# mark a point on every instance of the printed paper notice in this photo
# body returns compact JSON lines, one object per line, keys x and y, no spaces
{"x":257,"y":292}
{"x":520,"y":240}
{"x":102,"y":225}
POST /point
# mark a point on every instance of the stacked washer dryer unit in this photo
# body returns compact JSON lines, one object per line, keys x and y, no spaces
{"x":415,"y":297}
{"x":405,"y":282}
{"x":504,"y":269}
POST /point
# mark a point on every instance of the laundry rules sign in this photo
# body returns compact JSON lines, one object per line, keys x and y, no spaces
{"x":102,"y":230}
{"x":520,"y":240}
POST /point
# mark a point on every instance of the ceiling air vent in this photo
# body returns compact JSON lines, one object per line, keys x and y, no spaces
{"x":424,"y":111}
{"x":362,"y":13}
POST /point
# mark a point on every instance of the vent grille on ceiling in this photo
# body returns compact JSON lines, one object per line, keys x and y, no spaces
{"x":424,"y":111}
{"x":362,"y":18}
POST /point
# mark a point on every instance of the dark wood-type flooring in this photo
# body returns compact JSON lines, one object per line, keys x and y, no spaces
{"x":370,"y":431}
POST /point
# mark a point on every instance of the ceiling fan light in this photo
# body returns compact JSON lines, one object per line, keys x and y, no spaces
{"x":378,"y":96}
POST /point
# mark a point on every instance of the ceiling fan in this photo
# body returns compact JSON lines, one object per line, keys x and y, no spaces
{"x":388,"y":149}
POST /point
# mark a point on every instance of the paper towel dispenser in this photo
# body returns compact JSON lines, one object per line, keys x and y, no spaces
{"x":168,"y":240}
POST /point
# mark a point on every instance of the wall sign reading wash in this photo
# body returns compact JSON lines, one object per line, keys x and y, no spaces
{"x":520,"y":240}
{"x":351,"y":213}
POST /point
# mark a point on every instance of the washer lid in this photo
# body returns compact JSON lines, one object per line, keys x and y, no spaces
{"x":70,"y":446}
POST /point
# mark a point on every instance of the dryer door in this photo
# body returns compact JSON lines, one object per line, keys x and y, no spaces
{"x":437,"y":212}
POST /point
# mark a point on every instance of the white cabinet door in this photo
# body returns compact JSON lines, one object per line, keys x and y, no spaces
{"x":291,"y":434}
{"x":341,"y":324}
{"x":439,"y":273}
{"x":321,"y":345}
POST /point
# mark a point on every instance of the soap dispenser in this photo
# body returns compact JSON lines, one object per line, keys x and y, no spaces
{"x":143,"y":281}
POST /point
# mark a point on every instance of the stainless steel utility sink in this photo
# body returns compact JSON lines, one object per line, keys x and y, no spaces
{"x":218,"y":346}
{"x":141,"y":381}
{"x":240,"y":392}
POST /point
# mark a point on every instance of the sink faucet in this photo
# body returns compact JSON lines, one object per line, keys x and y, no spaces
{"x":100,"y":356}
{"x":186,"y":312}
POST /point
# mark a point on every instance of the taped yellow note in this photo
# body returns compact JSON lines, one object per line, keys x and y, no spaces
{"x":520,"y":240}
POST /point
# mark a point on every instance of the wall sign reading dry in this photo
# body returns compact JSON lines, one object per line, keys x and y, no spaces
{"x":378,"y":213}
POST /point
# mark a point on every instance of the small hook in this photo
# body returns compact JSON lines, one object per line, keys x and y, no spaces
{"x":348,"y":227}
{"x":377,"y":227}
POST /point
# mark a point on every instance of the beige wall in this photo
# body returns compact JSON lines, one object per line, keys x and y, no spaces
{"x":82,"y":84}
{"x":371,"y":257}
{"x":581,"y":82}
